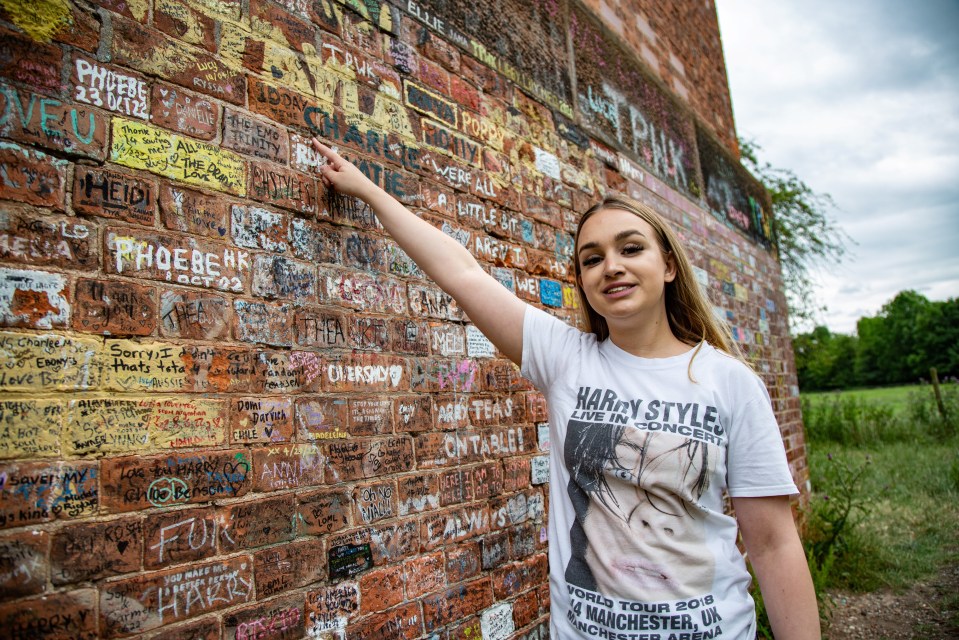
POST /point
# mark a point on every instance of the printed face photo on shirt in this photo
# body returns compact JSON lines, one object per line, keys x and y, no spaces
{"x":635,"y":493}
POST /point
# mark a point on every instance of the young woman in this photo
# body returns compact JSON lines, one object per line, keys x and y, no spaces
{"x":654,"y":418}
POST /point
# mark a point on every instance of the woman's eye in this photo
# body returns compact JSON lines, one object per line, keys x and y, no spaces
{"x":590,"y":261}
{"x":631,"y":249}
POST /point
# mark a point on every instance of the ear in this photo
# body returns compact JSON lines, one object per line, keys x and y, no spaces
{"x":671,"y":270}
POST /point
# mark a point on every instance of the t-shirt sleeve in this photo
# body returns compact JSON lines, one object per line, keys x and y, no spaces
{"x":756,"y":460}
{"x":549,"y":345}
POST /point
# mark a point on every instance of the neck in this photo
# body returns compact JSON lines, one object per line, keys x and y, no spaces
{"x":652,"y":339}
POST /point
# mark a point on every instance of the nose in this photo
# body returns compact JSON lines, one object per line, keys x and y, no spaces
{"x":612,"y":266}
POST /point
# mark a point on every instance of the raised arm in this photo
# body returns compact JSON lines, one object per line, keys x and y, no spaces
{"x":777,"y":556}
{"x":490,"y":306}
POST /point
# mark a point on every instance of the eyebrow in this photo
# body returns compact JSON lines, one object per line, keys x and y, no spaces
{"x":622,"y":235}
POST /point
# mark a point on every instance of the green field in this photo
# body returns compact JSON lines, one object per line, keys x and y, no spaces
{"x":894,"y":397}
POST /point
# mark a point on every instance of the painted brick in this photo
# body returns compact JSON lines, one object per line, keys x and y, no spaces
{"x":280,"y":277}
{"x":417,"y":493}
{"x":58,"y":616}
{"x":90,"y":551}
{"x":31,"y":177}
{"x":36,"y":492}
{"x":111,"y":307}
{"x":24,"y":563}
{"x":30,"y":428}
{"x":370,"y":416}
{"x":288,"y":466}
{"x":263,"y":322}
{"x":33,"y":299}
{"x":111,"y":194}
{"x":261,"y":420}
{"x":185,"y":23}
{"x":31,"y":118}
{"x":331,"y":607}
{"x":184,"y":111}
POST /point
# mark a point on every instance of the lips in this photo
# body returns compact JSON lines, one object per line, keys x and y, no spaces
{"x":618,"y":289}
{"x":641,"y":572}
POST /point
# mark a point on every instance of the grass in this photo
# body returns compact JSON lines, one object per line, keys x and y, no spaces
{"x":884,"y":467}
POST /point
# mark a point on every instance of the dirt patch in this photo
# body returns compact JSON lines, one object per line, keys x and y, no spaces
{"x":926,"y":611}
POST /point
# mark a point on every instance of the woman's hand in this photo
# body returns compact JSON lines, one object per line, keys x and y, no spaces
{"x":342,"y":176}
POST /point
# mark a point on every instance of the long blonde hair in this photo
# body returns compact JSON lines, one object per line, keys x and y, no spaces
{"x":690,"y":315}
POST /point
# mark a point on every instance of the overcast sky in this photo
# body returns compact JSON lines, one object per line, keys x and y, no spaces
{"x":860,"y":98}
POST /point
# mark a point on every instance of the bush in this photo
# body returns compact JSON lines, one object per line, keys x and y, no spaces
{"x":851,"y":420}
{"x":924,"y":409}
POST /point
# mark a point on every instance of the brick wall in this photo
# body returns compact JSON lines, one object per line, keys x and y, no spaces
{"x":230,"y":406}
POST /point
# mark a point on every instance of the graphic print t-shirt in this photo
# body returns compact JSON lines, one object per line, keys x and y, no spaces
{"x":641,"y":456}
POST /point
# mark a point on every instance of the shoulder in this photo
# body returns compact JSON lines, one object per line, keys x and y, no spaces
{"x":726,"y":370}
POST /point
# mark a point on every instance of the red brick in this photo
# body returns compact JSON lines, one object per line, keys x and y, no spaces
{"x":193,"y":314}
{"x":435,"y":77}
{"x":370,"y":416}
{"x":401,"y":623}
{"x":328,"y":608}
{"x":36,"y":492}
{"x":95,"y":550}
{"x":356,"y":459}
{"x":369,"y":333}
{"x":281,"y":277}
{"x":253,"y":137}
{"x":59,"y":616}
{"x":172,"y":537}
{"x":516,"y":476}
{"x":287,"y":107}
{"x":111,"y":194}
{"x":520,"y":576}
{"x":184,"y":111}
{"x":464,"y":93}
{"x":194,"y":212}
{"x":323,"y":512}
{"x":317,"y":327}
{"x":278,"y":619}
{"x":263,"y":322}
{"x":157,"y":256}
{"x":256,"y":522}
{"x":417,"y":493}
{"x":296,"y":30}
{"x":52,"y":124}
{"x":288,"y":566}
{"x":109,"y":87}
{"x":282,"y":371}
{"x":495,"y":549}
{"x":381,"y":589}
{"x":204,"y":629}
{"x":425,"y":574}
{"x":389,"y":543}
{"x":31,"y":177}
{"x":220,"y":370}
{"x":261,"y":420}
{"x":454,"y":525}
{"x":150,"y":600}
{"x":374,"y":502}
{"x":24,"y":563}
{"x":114,"y":308}
{"x":26,"y":61}
{"x":525,"y":540}
{"x":365,"y":372}
{"x":409,"y":336}
{"x":456,"y":603}
{"x":282,"y":187}
{"x":430,"y":45}
{"x":525,"y":609}
{"x":82,"y":30}
{"x":133,"y":483}
{"x":288,"y":466}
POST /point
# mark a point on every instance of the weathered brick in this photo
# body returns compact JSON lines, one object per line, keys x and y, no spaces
{"x":322,"y":512}
{"x":32,"y":63}
{"x":109,"y":87}
{"x":31,"y":177}
{"x":261,"y":420}
{"x":413,"y":413}
{"x":520,"y":576}
{"x":114,"y":308}
{"x":281,"y":277}
{"x":381,"y":589}
{"x":173,"y":537}
{"x":278,"y":619}
{"x":173,"y":595}
{"x":204,"y":629}
{"x":184,"y":111}
{"x":417,"y":493}
{"x":273,"y":22}
{"x":257,"y":522}
{"x":402,"y":623}
{"x":59,"y":616}
{"x":36,"y":492}
{"x":373,"y":502}
{"x":330,"y":608}
{"x":263,"y":322}
{"x":24,"y":563}
{"x":90,"y":551}
{"x":425,"y":574}
{"x":364,"y":372}
{"x":463,"y":561}
{"x":456,"y":603}
{"x":134,"y":482}
{"x":363,"y":292}
{"x":192,"y":314}
{"x":253,"y":137}
{"x":33,"y":299}
{"x":288,"y":466}
{"x":111,"y":194}
{"x":185,"y":23}
{"x":356,"y":459}
{"x":52,"y":124}
{"x":281,"y":187}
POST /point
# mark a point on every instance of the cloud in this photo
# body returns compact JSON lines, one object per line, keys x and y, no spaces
{"x":859,"y":98}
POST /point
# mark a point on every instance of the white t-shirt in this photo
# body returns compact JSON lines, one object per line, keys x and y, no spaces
{"x":640,"y":459}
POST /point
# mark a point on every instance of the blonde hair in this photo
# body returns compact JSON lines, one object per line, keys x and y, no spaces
{"x":690,"y":315}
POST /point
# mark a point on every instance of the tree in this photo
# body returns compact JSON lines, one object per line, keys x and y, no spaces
{"x":806,"y":236}
{"x":825,"y":360}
